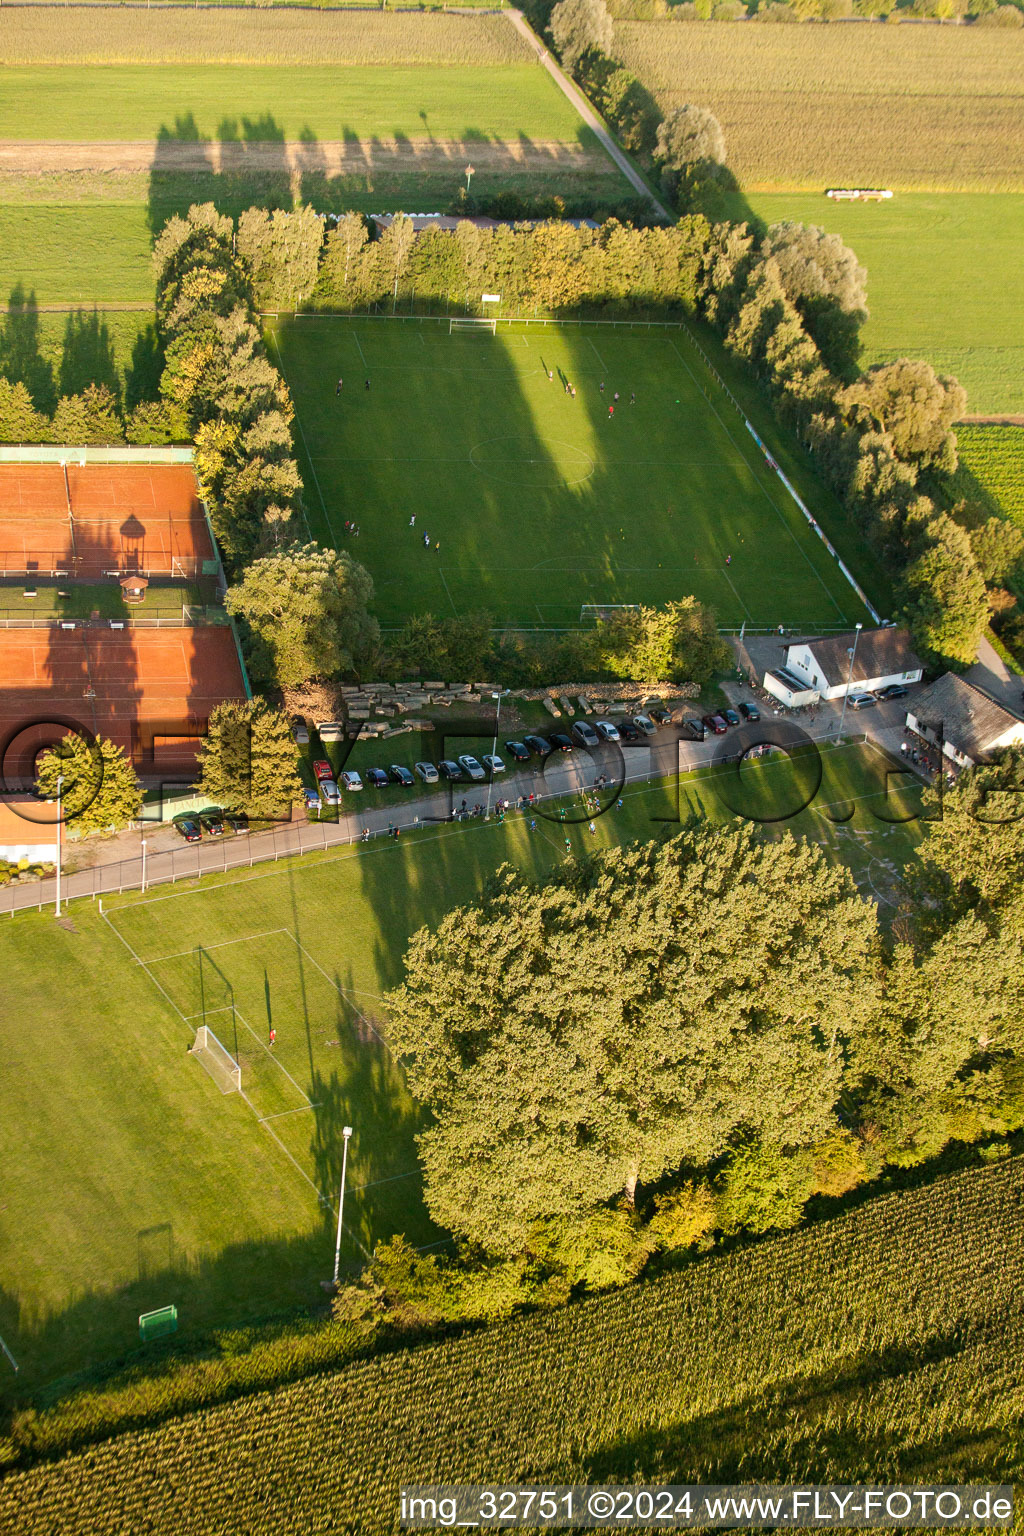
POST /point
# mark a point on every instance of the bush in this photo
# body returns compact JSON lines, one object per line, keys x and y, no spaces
{"x":1002,"y":16}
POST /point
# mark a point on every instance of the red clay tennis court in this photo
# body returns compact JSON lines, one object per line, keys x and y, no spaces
{"x":149,"y":690}
{"x":87,"y":521}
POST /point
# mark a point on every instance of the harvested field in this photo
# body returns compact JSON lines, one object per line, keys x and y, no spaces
{"x":113,"y":35}
{"x":814,"y":106}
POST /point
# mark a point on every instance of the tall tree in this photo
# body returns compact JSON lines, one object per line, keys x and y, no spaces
{"x":282,"y":249}
{"x":307,"y":609}
{"x":677,"y":643}
{"x":248,"y":761}
{"x":91,"y":417}
{"x":944,"y":598}
{"x":824,"y":280}
{"x":579,"y":27}
{"x":100,"y":792}
{"x":914,"y":406}
{"x":633,"y":1014}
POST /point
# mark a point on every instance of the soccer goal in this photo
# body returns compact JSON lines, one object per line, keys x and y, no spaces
{"x":593,"y":612}
{"x":472,"y":325}
{"x":217,"y":1060}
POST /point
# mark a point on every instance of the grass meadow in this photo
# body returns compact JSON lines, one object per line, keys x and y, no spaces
{"x":945,"y":281}
{"x":65,"y":253}
{"x":536,"y":503}
{"x":916,"y":108}
{"x":993,"y":458}
{"x":132,"y":1181}
{"x":271,"y":102}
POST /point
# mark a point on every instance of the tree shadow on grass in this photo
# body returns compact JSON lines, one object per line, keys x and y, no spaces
{"x":88,"y":355}
{"x":21,"y":357}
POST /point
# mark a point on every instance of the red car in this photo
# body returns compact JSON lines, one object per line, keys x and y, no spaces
{"x":715,"y":723}
{"x":322,"y":769}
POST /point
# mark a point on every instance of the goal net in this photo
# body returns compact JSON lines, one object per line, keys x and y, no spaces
{"x":472,"y":325}
{"x":594,"y":612}
{"x":217,"y":1060}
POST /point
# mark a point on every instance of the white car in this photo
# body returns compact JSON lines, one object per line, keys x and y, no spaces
{"x":606,"y":730}
{"x":493,"y":762}
{"x":331,"y":730}
{"x":470,"y":767}
{"x":426,"y":771}
{"x":300,"y":731}
{"x":329,"y":790}
{"x":350,"y":780}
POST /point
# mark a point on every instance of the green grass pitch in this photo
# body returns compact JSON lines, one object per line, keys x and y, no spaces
{"x":540,"y":502}
{"x":133,"y":1182}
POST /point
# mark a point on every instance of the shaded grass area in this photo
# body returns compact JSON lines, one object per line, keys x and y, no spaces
{"x":992,"y":458}
{"x":927,"y":108}
{"x":60,"y":354}
{"x":536,"y":502}
{"x":261,"y":103}
{"x":945,"y":281}
{"x":181,"y":1193}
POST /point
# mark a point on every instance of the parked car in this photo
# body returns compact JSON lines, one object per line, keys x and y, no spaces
{"x":323,"y":769}
{"x":645,"y":725}
{"x":329,"y":790}
{"x":300,"y":731}
{"x":426,"y":771}
{"x":377,"y":778}
{"x":606,"y":730}
{"x":238,"y":821}
{"x":212,"y":821}
{"x":517,"y":751}
{"x":188,"y":828}
{"x":730,"y":717}
{"x":331,"y":730}
{"x":750,"y":711}
{"x":560,"y":742}
{"x":585,"y":734}
{"x":628,"y":731}
{"x":715,"y":723}
{"x":350,"y":779}
{"x":861,"y":700}
{"x":538,"y":745}
{"x":311,"y":799}
{"x":470,"y":767}
{"x":449,"y":770}
{"x":493,"y":763}
{"x":661,"y":716}
{"x":893,"y":691}
{"x":698,"y":730}
{"x":400,"y":775}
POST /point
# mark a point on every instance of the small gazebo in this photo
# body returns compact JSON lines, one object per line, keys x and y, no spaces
{"x":133,"y":588}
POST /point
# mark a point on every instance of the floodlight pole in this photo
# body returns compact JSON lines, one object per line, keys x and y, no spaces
{"x":143,"y":866}
{"x":346,"y":1132}
{"x":852,"y":652}
{"x":60,"y":785}
{"x":494,"y":749}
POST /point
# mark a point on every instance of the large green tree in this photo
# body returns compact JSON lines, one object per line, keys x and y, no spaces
{"x":677,"y":643}
{"x":282,"y":249}
{"x":944,"y":599}
{"x":631,"y":1015}
{"x":579,"y":27}
{"x":824,"y":280}
{"x":99,"y":793}
{"x":306,"y":609}
{"x":248,"y":761}
{"x":914,"y":406}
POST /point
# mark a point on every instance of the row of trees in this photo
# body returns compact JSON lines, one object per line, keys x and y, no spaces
{"x":698,"y":1036}
{"x":217,"y":374}
{"x":94,"y":416}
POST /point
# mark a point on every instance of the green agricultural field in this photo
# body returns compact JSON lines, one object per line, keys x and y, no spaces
{"x":76,"y":254}
{"x":217,"y":1201}
{"x":260,"y":103}
{"x":992,"y":458}
{"x":536,"y":503}
{"x":945,"y":281}
{"x":925,"y":108}
{"x":888,"y":1336}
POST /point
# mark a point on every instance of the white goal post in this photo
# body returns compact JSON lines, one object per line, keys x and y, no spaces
{"x":597,"y":611}
{"x":466,"y":324}
{"x":217,"y":1060}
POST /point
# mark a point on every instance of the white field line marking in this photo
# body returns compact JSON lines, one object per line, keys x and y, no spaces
{"x":755,"y":468}
{"x":597,"y":355}
{"x":345,"y":999}
{"x":221,"y":944}
{"x":395,"y":1179}
{"x":355,"y":338}
{"x":448,"y":590}
{"x":321,"y":1197}
{"x":274,"y":1058}
{"x":302,"y":1110}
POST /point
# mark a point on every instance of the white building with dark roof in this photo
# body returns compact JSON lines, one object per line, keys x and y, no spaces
{"x":825,"y":669}
{"x":964,"y":720}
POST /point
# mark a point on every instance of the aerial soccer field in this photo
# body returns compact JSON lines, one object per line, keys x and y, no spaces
{"x":537,"y":501}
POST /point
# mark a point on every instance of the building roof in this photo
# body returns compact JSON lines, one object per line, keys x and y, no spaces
{"x":971,"y":719}
{"x":880,"y":653}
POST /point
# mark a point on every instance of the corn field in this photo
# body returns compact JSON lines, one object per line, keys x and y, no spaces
{"x":114,"y":35}
{"x":883,"y":1345}
{"x":818,"y":106}
{"x":994,"y":456}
